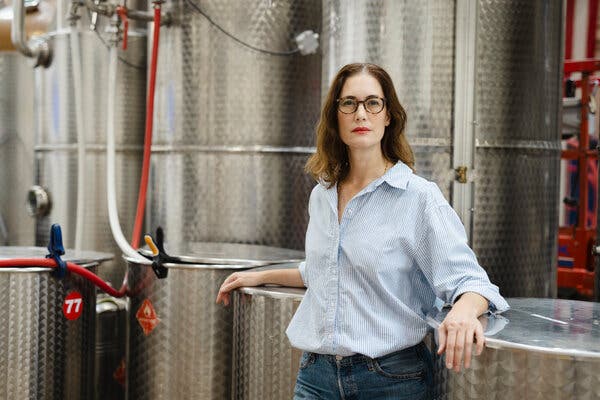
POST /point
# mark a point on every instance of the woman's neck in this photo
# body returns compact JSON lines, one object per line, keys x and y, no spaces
{"x":365,"y":167}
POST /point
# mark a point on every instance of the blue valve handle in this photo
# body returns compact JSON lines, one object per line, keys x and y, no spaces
{"x":56,"y":249}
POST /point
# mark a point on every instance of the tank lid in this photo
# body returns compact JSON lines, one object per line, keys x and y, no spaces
{"x":232,"y":254}
{"x":550,"y":326}
{"x":78,"y":257}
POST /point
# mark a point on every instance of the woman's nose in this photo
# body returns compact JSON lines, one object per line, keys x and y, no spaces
{"x":361,"y":112}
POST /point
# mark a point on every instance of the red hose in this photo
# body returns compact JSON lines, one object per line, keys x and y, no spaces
{"x":74,"y":268}
{"x":141,"y":205}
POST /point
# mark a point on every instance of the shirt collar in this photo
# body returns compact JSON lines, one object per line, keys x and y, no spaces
{"x":397,"y":176}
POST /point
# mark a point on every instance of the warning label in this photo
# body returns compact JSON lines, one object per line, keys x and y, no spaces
{"x":146,"y":317}
{"x":119,"y":374}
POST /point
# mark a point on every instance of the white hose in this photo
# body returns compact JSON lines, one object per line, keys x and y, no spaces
{"x":78,"y":100}
{"x":113,"y":215}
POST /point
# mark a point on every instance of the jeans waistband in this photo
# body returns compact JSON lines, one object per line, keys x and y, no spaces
{"x":361,"y":358}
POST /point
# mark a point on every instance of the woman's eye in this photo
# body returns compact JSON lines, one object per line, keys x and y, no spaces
{"x":348,"y":102}
{"x":373,"y":102}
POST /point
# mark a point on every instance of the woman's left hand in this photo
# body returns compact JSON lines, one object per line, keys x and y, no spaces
{"x":460,"y":328}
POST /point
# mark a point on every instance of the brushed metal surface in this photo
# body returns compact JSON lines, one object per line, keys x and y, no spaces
{"x":257,"y":198}
{"x":214,"y":92}
{"x":188,"y":355}
{"x":265,"y":365}
{"x":516,"y":194}
{"x":16,"y":148}
{"x":550,"y":349}
{"x":56,"y":150}
{"x":42,"y":354}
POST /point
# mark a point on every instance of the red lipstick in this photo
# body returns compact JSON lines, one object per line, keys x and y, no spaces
{"x":360,"y":129}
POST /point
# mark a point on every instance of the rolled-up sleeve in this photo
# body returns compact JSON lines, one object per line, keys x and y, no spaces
{"x":447,"y":261}
{"x":303,"y":275}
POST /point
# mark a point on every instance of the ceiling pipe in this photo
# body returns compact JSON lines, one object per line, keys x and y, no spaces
{"x":38,"y":49}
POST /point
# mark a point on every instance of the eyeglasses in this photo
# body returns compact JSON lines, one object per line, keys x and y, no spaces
{"x":349,"y":105}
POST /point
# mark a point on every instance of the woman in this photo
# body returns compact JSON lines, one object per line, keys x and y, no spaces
{"x":381,"y":245}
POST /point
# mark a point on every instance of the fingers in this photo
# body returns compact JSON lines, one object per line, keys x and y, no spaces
{"x":450,"y":347}
{"x":456,"y":340}
{"x":468,"y":347}
{"x":224,"y":291}
{"x":442,"y":337}
{"x":480,"y":339}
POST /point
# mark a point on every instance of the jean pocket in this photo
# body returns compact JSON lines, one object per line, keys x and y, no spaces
{"x":399,"y":366}
{"x":307,"y":359}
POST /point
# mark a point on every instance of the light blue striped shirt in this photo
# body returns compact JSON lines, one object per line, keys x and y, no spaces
{"x":372,"y":278}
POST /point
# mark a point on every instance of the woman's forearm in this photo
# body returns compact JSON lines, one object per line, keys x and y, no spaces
{"x":283,"y":277}
{"x":472,"y":302}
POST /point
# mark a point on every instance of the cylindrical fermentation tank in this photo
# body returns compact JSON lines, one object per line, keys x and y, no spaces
{"x":180,"y":341}
{"x":16,"y":148}
{"x":264,"y":363}
{"x":44,"y":354}
{"x":540,"y":349}
{"x":235,"y":125}
{"x":56,"y":152}
{"x":481,"y":83}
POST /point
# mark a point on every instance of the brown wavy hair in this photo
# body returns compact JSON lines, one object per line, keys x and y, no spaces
{"x":330,"y":162}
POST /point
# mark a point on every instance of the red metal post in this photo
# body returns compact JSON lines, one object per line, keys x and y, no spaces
{"x":584,"y":145}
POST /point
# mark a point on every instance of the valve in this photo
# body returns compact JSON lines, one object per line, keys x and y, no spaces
{"x":38,"y":202}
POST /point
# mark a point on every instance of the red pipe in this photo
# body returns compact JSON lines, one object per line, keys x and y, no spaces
{"x":141,"y":205}
{"x":74,"y":268}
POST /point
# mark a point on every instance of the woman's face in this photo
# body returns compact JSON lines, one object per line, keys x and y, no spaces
{"x":362,"y":129}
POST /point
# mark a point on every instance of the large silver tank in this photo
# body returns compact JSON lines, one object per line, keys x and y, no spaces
{"x":540,"y":349}
{"x":180,"y":341}
{"x":44,"y":355}
{"x":235,"y":126}
{"x":543,"y":349}
{"x":265,"y":365}
{"x":16,"y":149}
{"x":481,"y":84}
{"x":56,"y":141}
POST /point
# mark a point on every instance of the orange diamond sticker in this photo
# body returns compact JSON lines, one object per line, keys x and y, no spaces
{"x":146,"y":317}
{"x":119,"y":374}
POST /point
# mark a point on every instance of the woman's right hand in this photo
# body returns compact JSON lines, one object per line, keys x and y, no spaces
{"x":236,"y":280}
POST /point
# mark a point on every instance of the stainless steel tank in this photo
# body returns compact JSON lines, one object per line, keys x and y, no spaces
{"x":265,"y":365}
{"x":543,"y":349}
{"x":56,"y":142}
{"x":180,"y":342}
{"x":44,"y":355}
{"x":481,"y":84}
{"x":234,"y":125}
{"x":16,"y":148}
{"x":111,"y":341}
{"x":540,"y":349}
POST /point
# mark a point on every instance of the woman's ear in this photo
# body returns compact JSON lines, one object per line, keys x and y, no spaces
{"x":387,"y":119}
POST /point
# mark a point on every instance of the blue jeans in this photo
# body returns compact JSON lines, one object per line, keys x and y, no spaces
{"x":405,"y":374}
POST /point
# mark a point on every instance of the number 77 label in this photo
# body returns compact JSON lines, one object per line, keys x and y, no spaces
{"x":73,"y":305}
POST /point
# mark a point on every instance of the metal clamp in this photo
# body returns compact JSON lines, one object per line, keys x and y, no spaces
{"x":159,"y":256}
{"x":461,"y":174}
{"x":56,"y":249}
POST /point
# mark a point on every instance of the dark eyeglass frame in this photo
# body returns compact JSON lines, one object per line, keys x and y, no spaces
{"x":338,"y":101}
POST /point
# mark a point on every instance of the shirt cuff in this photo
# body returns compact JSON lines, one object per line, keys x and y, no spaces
{"x":497,"y":304}
{"x":302,"y":269}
